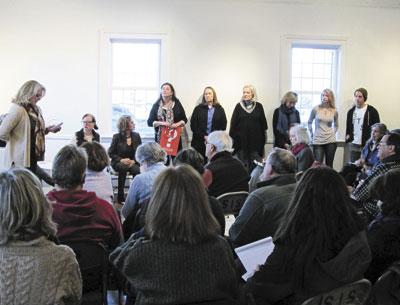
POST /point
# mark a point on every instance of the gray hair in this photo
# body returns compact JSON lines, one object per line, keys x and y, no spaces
{"x":381,"y":127}
{"x":289,"y":97}
{"x":221,"y":140}
{"x":28,"y":90}
{"x":301,"y":134}
{"x":25,"y":213}
{"x":123,"y":122}
{"x":282,"y":161}
{"x":69,"y":166}
{"x":150,"y":153}
{"x":253,"y":91}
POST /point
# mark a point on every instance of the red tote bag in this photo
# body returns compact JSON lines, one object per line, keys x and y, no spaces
{"x":169,"y":140}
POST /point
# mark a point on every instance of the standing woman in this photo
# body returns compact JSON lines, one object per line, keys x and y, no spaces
{"x":207,"y":117}
{"x":87,"y":133}
{"x":122,"y":152}
{"x":285,"y":117}
{"x":325,"y":117}
{"x":24,"y":130}
{"x":166,"y":111}
{"x":249,"y":128}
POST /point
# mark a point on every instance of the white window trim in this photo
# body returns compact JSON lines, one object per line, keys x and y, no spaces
{"x":288,"y":41}
{"x":105,"y":69}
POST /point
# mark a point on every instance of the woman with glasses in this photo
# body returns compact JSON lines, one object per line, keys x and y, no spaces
{"x":122,"y":152}
{"x":87,"y":133}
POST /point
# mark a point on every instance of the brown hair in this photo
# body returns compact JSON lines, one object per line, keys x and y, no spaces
{"x":97,"y":156}
{"x":178,"y":210}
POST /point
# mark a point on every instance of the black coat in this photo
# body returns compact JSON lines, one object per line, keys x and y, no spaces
{"x":179,"y":115}
{"x":119,"y":149}
{"x":370,"y":118}
{"x":198,"y":124}
{"x":248,"y":129}
{"x":281,"y":139}
{"x":79,"y":135}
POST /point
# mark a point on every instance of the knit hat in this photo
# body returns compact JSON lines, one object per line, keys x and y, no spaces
{"x":363,"y":91}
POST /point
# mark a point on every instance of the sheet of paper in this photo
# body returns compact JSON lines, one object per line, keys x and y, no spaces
{"x":254,"y":254}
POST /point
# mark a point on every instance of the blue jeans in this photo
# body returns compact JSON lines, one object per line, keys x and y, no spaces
{"x":326,"y":151}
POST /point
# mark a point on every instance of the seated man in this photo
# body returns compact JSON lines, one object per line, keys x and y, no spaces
{"x":223,"y":173}
{"x":263,"y":210}
{"x":80,"y":215}
{"x":389,"y":156}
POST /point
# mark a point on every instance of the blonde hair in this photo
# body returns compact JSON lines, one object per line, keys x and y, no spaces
{"x":289,"y":97}
{"x":28,"y":90}
{"x":25,"y":213}
{"x":331,"y":96}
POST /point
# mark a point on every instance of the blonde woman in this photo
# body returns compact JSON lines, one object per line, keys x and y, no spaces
{"x":24,"y":130}
{"x":325,"y":118}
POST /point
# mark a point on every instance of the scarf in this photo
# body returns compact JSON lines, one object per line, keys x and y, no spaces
{"x":35,"y":114}
{"x":165,"y":114}
{"x":248,"y":106}
{"x":286,"y":118}
{"x":298,"y":148}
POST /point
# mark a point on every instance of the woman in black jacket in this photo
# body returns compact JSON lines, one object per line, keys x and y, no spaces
{"x":207,"y":117}
{"x":285,"y":116}
{"x":87,"y":133}
{"x":122,"y":152}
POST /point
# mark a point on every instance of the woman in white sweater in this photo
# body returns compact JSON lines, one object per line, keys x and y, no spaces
{"x":34,"y":270}
{"x":325,"y":117}
{"x":24,"y":130}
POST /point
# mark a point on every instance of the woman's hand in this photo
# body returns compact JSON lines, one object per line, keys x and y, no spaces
{"x":54,"y":128}
{"x":178,"y":124}
{"x":127,"y":161}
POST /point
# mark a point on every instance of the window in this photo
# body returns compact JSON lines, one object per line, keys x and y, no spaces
{"x":130,"y":72}
{"x":314,"y":68}
{"x":135,"y":80}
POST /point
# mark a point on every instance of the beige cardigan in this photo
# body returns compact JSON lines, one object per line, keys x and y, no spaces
{"x":16,"y":131}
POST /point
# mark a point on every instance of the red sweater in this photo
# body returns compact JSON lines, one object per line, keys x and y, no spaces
{"x":81,"y":215}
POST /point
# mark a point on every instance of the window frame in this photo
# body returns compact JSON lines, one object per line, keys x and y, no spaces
{"x":104,"y":112}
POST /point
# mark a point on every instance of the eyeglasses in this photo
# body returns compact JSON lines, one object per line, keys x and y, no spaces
{"x":87,"y":122}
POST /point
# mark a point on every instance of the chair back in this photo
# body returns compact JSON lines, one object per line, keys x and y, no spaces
{"x":386,"y":290}
{"x":93,"y":263}
{"x":232,"y":202}
{"x":355,"y":293}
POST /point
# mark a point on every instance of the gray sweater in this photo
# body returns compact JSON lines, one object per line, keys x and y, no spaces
{"x":38,"y":272}
{"x":326,"y":125}
{"x":166,"y":273}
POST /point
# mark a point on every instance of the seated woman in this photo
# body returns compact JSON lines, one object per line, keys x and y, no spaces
{"x":182,"y":259}
{"x":122,"y":152}
{"x":151,"y":157}
{"x":35,"y":270}
{"x":384,"y":232}
{"x":320,"y":245}
{"x":192,"y":157}
{"x":87,"y":133}
{"x":301,"y":150}
{"x":97,"y":178}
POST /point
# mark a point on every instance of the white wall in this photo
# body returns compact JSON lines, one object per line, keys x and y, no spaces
{"x":223,"y":43}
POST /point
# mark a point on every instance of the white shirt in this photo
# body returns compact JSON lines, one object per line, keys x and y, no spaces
{"x":358,"y":119}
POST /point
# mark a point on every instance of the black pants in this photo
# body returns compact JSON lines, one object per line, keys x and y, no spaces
{"x":40,"y":173}
{"x":123,"y":170}
{"x":327,"y":151}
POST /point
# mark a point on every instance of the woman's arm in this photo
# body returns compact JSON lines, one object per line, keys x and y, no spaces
{"x":113,"y":149}
{"x":12,"y":119}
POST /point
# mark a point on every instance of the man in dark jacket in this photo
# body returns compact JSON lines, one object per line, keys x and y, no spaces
{"x":359,"y":120}
{"x":263,"y":210}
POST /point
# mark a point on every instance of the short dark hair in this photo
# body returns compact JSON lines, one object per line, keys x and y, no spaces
{"x":69,"y":166}
{"x":191,"y":157}
{"x":386,"y":189}
{"x":394,"y":139}
{"x":97,"y":156}
{"x":178,"y":210}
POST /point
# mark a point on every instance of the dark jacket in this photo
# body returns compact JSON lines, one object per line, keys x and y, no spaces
{"x":179,"y":115}
{"x":274,"y":282}
{"x":198,"y":124}
{"x":370,"y":118}
{"x":263,"y":210}
{"x":79,"y":135}
{"x":81,"y":216}
{"x":163,"y":272}
{"x":119,"y":149}
{"x":248,"y":129}
{"x":281,"y":139}
{"x":304,"y":157}
{"x":228,"y":174}
{"x":384,"y":240}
